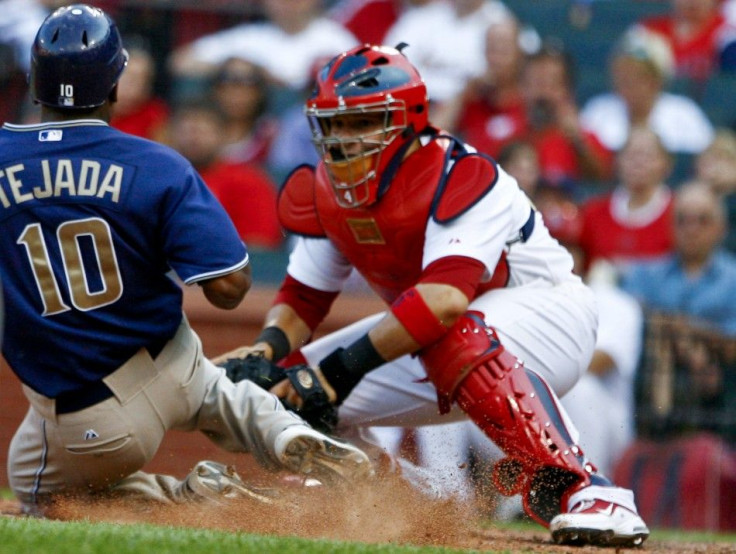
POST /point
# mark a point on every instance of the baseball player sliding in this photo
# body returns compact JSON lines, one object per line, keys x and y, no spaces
{"x":485,"y":318}
{"x":92,"y":221}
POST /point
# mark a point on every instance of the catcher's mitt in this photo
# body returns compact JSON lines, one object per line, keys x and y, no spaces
{"x":254,"y":367}
{"x":316,"y":408}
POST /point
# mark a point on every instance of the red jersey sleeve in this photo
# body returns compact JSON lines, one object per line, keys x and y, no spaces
{"x":312,"y":305}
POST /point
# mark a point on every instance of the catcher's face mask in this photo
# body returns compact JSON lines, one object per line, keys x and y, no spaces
{"x":368,"y":103}
{"x":352,"y":143}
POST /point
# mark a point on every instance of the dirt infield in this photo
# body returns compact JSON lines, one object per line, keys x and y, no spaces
{"x":388,"y":513}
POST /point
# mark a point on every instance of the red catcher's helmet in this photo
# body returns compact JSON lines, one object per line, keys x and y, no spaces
{"x":368,"y":79}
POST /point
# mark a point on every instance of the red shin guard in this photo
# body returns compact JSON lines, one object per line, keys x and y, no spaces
{"x":514,"y":408}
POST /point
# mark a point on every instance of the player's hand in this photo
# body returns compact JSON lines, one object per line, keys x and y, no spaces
{"x":286,"y":391}
{"x":243,"y":352}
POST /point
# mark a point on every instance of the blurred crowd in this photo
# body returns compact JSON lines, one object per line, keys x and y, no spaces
{"x":617,"y":117}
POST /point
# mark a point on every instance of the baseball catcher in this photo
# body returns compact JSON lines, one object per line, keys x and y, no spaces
{"x":484,"y":317}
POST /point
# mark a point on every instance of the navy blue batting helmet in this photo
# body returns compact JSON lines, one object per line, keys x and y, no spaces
{"x":76,"y":59}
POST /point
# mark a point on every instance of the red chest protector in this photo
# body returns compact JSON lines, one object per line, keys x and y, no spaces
{"x":384,"y":241}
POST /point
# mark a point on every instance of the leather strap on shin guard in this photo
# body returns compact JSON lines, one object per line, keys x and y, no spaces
{"x":514,"y":408}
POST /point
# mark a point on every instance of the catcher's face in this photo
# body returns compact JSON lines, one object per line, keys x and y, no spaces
{"x":351,"y":145}
{"x":357,"y":133}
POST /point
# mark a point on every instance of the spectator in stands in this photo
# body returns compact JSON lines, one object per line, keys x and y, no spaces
{"x":686,"y":399}
{"x":241,"y":92}
{"x":640,"y":67}
{"x":295,"y":34}
{"x":701,"y":38}
{"x":138,"y":111}
{"x":716,"y":165}
{"x":699,"y":278}
{"x":445,"y":39}
{"x":246,"y":192}
{"x":634,"y":221}
{"x":489,"y":111}
{"x":566,"y":151}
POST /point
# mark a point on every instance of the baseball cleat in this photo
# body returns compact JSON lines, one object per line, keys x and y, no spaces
{"x":218,"y":483}
{"x":598,"y":522}
{"x":303,"y":450}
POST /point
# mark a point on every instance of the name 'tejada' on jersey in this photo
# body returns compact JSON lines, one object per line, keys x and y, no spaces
{"x":60,"y":178}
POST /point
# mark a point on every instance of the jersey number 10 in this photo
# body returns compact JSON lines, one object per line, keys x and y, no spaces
{"x":69,"y":235}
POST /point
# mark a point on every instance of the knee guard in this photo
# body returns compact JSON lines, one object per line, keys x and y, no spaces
{"x":515,"y":408}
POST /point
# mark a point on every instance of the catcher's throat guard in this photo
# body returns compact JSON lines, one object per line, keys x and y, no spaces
{"x":514,"y":408}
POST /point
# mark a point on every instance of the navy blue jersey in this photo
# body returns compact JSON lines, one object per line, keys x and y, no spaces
{"x":92,"y":221}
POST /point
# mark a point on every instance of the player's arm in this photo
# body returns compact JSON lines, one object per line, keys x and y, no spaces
{"x":418,"y":318}
{"x":227,"y":291}
{"x":392,"y":337}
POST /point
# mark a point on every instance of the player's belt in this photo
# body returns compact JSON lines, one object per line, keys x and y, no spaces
{"x":94,"y":392}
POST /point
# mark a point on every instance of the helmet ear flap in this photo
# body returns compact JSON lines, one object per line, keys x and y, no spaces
{"x":113,"y":96}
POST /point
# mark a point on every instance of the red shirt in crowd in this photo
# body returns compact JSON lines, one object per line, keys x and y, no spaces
{"x":605,"y":236}
{"x":697,"y":56}
{"x":249,"y":196}
{"x":558,"y":156}
{"x":148,"y":121}
{"x":489,"y":127}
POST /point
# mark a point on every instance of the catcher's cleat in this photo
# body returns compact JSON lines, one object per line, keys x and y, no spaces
{"x":608,"y":520}
{"x":218,"y":483}
{"x":303,"y":450}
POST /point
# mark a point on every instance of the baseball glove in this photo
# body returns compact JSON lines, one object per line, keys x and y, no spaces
{"x":316,"y":408}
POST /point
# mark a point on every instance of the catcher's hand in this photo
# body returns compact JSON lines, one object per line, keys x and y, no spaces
{"x":306,"y":393}
{"x":254,"y":367}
